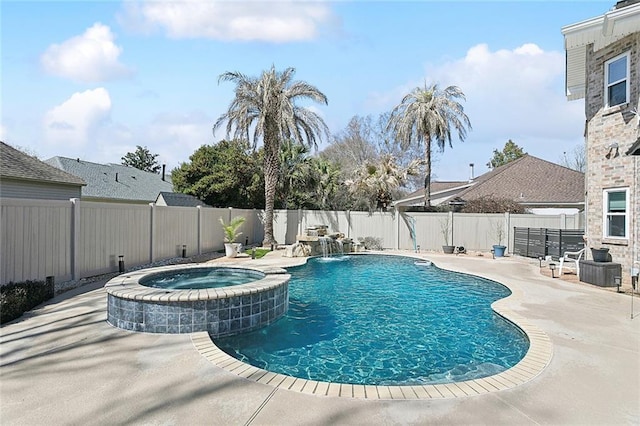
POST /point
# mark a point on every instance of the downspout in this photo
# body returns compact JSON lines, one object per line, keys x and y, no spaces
{"x":585,"y":215}
{"x":635,"y":253}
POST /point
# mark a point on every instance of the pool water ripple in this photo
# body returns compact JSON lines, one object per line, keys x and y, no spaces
{"x":382,"y":320}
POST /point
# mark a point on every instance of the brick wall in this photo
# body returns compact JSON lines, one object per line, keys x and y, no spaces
{"x":604,"y":127}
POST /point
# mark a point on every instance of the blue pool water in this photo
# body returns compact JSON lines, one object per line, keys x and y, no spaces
{"x":383,"y":320}
{"x":200,"y":278}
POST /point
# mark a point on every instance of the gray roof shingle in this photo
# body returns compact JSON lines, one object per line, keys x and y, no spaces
{"x":527,"y":180}
{"x":18,"y":165}
{"x":114,"y":181}
{"x":178,"y":199}
{"x":530,"y":180}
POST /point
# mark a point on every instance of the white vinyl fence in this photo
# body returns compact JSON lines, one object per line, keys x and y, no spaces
{"x":75,"y":239}
{"x":406,"y":231}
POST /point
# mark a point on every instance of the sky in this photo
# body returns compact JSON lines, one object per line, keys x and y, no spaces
{"x":94,"y":79}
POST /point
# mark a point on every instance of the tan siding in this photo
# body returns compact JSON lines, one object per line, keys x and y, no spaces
{"x":10,"y":188}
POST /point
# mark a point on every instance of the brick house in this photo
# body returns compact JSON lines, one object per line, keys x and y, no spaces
{"x":602,"y":67}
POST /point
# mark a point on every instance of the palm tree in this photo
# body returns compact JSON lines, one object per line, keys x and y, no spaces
{"x":327,"y":184}
{"x":380,"y":178}
{"x":296,"y":183}
{"x":266,"y":106}
{"x":427,"y":114}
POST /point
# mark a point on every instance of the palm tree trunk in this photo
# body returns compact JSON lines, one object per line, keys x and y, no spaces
{"x":271,"y":172}
{"x":427,"y":170}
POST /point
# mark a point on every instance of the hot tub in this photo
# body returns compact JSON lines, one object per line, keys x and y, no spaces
{"x":219,"y":310}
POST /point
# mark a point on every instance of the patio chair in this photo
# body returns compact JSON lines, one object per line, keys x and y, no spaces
{"x":571,"y":256}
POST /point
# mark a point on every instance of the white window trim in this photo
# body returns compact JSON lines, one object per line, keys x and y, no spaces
{"x":626,"y":78}
{"x":605,"y":214}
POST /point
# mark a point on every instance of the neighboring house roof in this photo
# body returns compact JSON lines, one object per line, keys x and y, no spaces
{"x":440,"y":192}
{"x":528,"y":180}
{"x":600,"y":32}
{"x":114,"y":182}
{"x":15,"y":164}
{"x":177,"y":199}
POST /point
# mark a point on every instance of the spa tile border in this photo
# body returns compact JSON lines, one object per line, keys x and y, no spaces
{"x":534,"y":362}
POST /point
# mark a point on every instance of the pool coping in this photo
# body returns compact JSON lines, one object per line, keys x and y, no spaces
{"x":530,"y":366}
{"x":126,"y":286}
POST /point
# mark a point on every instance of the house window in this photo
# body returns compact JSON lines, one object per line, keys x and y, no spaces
{"x":616,"y":80}
{"x":616,"y":213}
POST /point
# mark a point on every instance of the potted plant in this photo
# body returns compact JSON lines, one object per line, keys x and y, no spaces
{"x":231,"y":234}
{"x":498,"y":229}
{"x":600,"y":254}
{"x":445,"y":228}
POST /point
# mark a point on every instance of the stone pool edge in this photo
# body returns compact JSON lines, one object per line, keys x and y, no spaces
{"x":530,"y":366}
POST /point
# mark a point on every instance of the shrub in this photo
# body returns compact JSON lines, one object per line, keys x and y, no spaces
{"x":489,"y":204}
{"x":371,"y":243}
{"x":17,"y":298}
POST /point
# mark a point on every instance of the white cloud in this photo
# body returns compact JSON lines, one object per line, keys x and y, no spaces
{"x":272,"y":21}
{"x":90,"y":57}
{"x":75,"y":122}
{"x":513,"y":92}
{"x":176,"y":136}
{"x":510,"y":94}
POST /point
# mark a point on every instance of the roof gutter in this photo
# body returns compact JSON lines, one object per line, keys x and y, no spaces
{"x":28,"y":179}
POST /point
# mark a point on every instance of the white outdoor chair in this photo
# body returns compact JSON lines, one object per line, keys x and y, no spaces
{"x":571,"y":256}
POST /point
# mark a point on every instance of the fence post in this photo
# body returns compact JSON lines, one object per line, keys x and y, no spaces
{"x":396,"y":213}
{"x":75,"y":238}
{"x":451,"y":227}
{"x":199,"y":229}
{"x":152,"y":221}
{"x":507,"y":228}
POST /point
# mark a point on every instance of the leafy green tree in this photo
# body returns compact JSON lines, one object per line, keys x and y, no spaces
{"x":267,"y":106}
{"x":227,"y":174}
{"x":510,"y":152}
{"x":426,"y":114}
{"x":142,"y":159}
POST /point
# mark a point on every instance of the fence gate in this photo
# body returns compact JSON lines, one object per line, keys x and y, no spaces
{"x":535,"y":242}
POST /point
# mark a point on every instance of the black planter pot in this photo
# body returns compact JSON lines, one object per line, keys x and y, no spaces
{"x":600,"y":254}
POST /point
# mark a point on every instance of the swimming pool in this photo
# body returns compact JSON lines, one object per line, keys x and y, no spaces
{"x":383,"y":320}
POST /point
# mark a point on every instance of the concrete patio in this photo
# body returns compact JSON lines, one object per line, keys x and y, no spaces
{"x":63,"y":364}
